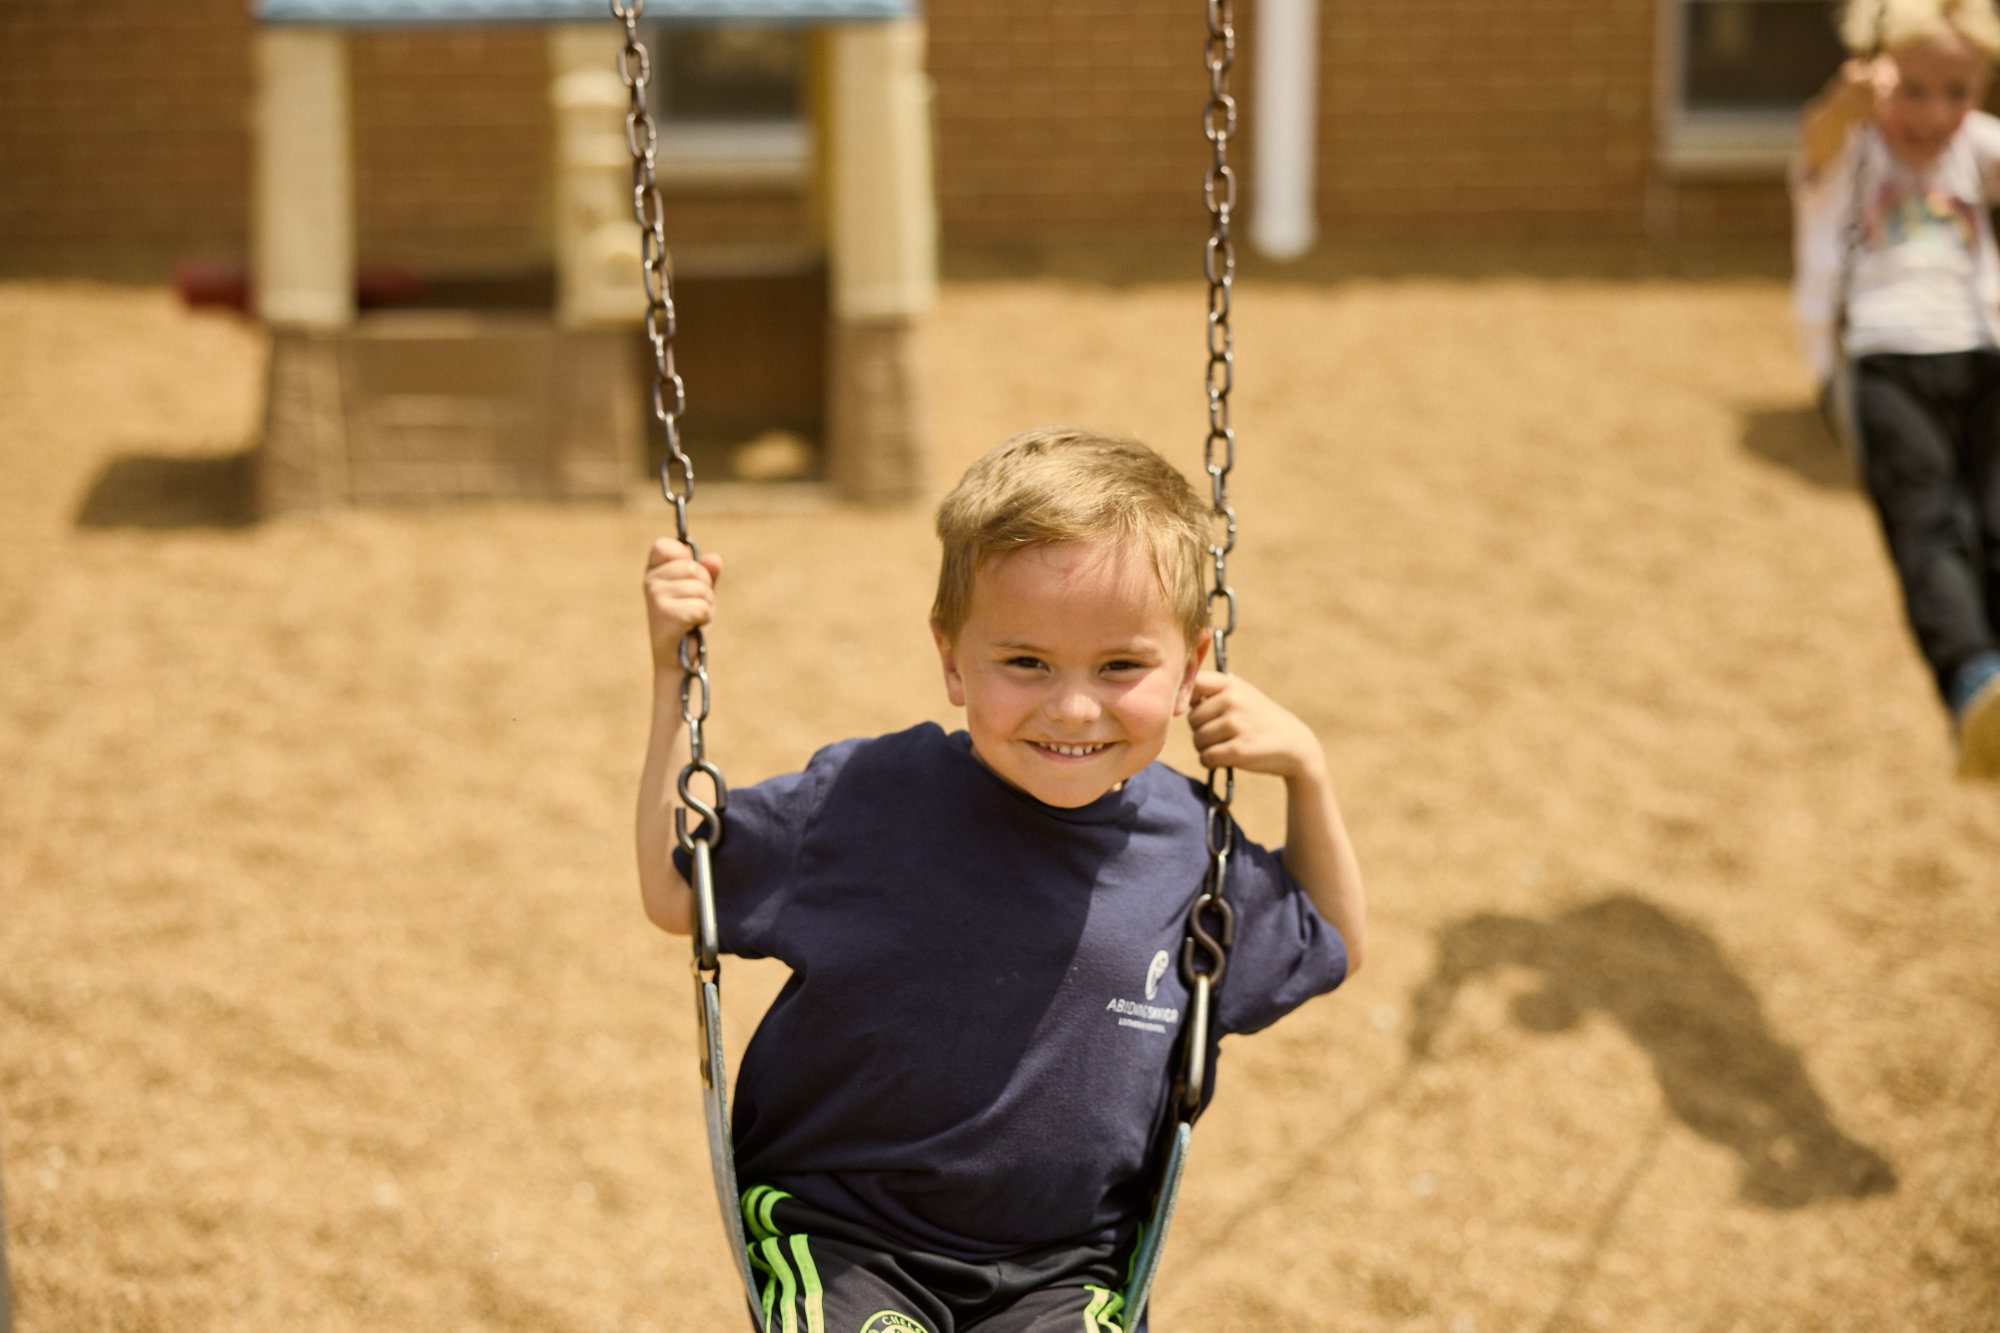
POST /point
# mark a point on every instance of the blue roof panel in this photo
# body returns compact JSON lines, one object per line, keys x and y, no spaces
{"x":355,"y":13}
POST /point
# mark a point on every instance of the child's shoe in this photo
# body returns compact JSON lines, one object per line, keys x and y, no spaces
{"x":1976,"y":709}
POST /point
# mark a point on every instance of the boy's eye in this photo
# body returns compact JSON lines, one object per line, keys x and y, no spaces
{"x":1028,"y":663}
{"x":1122,"y":664}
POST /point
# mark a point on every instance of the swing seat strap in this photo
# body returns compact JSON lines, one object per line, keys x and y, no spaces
{"x":1153,"y":1238}
{"x":721,"y":1156}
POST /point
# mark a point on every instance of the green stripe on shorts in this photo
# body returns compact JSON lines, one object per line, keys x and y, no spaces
{"x":1102,"y":1314}
{"x":809,"y":1277}
{"x":779,"y":1295}
{"x":758,"y":1201}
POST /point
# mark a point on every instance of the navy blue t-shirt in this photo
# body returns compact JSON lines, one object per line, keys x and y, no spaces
{"x":973,"y":1052}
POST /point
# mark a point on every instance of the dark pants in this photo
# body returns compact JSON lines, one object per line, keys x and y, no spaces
{"x":1930,"y":454}
{"x":818,"y":1273}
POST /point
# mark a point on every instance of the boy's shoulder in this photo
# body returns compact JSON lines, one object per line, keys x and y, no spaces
{"x":924,"y":743}
{"x":898,"y":762}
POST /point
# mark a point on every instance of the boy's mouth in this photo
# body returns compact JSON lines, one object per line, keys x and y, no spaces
{"x":1070,"y":751}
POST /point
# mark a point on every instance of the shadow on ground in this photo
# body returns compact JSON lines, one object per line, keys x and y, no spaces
{"x":1724,"y":1073}
{"x":1797,"y":439}
{"x":162,"y":491}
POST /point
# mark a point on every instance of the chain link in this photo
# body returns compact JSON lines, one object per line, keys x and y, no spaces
{"x":1212,"y":920}
{"x":635,"y":70}
{"x":635,"y":67}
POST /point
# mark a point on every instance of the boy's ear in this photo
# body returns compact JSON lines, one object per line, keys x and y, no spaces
{"x":1196,"y":656}
{"x":954,"y":683}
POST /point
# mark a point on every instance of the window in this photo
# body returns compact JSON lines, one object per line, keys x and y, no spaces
{"x":743,"y":72}
{"x":1739,"y":71}
{"x":731,"y":105}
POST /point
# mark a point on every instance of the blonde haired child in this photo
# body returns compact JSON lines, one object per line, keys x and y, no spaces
{"x":1871,"y":26}
{"x":1898,"y":278}
{"x":948,"y":1118}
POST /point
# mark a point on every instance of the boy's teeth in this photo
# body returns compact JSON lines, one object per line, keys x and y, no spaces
{"x":1075,"y":751}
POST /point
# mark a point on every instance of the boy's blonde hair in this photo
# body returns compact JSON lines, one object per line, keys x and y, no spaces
{"x":1066,"y":484}
{"x":1868,"y":26}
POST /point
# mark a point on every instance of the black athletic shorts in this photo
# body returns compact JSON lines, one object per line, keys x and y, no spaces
{"x":817,"y":1273}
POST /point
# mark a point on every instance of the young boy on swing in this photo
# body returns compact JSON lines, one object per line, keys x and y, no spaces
{"x":947,"y":1119}
{"x":1898,"y":273}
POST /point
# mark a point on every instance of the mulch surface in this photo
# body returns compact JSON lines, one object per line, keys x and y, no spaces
{"x":326,"y":1002}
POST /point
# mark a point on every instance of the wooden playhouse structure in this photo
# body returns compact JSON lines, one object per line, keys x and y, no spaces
{"x":401,"y":405}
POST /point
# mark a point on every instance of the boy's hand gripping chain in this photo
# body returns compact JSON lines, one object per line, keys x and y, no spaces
{"x":677,"y":484}
{"x":1211,"y":920}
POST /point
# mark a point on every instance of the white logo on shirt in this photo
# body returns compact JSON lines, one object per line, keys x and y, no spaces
{"x":1145,"y":1015}
{"x":1149,"y":1017}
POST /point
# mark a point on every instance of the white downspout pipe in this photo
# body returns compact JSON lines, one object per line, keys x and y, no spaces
{"x":1282,"y":224}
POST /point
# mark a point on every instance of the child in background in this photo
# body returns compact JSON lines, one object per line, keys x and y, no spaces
{"x":1898,"y":273}
{"x":948,"y":1118}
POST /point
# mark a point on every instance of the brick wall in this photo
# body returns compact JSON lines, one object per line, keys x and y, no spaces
{"x":453,"y":142}
{"x":122,"y":123}
{"x":1730,"y":210}
{"x":1451,"y":118}
{"x":1456,"y":117}
{"x":1067,"y":117}
{"x":124,"y":137}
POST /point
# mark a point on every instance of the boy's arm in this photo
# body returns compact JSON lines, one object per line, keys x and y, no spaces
{"x":1236,"y":725}
{"x":680,"y":594}
{"x":1849,"y":98}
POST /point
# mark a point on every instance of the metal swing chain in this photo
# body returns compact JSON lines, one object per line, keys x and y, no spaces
{"x":635,"y":67}
{"x":1211,"y":920}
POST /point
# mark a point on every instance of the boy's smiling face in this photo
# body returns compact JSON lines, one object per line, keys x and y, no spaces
{"x":1069,"y":667}
{"x":1940,"y":79}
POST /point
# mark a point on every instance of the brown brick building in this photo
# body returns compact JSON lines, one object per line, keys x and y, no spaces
{"x":124,"y":127}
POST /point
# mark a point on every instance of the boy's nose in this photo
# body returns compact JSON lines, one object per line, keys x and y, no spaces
{"x":1073,"y":706}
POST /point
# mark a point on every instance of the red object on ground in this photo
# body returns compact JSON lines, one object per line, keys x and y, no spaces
{"x":205,"y":283}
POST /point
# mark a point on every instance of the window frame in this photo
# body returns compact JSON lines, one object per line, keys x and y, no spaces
{"x":735,"y":153}
{"x":1707,"y":141}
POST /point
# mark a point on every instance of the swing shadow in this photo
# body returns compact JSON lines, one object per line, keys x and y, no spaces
{"x":1798,"y":440}
{"x":161,"y":491}
{"x":1723,"y":1071}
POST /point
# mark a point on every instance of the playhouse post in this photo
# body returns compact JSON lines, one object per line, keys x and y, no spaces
{"x":302,"y":259}
{"x":882,"y":256}
{"x":597,"y":247}
{"x":303,"y":207}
